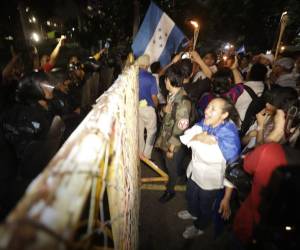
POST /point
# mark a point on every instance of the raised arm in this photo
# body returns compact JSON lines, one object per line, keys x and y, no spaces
{"x":238,"y":78}
{"x":175,"y":60}
{"x":55,"y":52}
{"x":197,"y":59}
{"x":98,"y":55}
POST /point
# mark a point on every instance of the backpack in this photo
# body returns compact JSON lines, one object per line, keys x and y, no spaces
{"x":255,"y":106}
{"x":242,"y":180}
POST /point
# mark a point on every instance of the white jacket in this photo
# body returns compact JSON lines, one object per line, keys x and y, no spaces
{"x":207,"y":167}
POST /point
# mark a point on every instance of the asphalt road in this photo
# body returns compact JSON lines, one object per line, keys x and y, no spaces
{"x":161,"y":229}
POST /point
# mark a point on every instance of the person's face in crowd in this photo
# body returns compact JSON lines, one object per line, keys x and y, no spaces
{"x":209,"y":60}
{"x":264,"y":61}
{"x":168,"y":84}
{"x":270,"y":109}
{"x":64,"y":86}
{"x":74,"y":60}
{"x":277,"y":70}
{"x":45,"y":59}
{"x":214,"y":114}
{"x":79,"y":73}
{"x":229,"y":62}
{"x":244,"y":63}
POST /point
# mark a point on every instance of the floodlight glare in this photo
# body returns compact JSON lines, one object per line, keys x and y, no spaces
{"x":35,"y":37}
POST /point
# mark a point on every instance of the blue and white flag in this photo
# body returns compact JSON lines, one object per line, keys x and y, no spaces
{"x":241,"y":50}
{"x":158,"y":36}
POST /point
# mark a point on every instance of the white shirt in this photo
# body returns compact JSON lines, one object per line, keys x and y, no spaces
{"x":200,"y":75}
{"x":245,"y":99}
{"x":207,"y":167}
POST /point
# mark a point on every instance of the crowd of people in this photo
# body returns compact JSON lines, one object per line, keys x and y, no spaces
{"x":40,"y":106}
{"x":199,"y":114}
{"x":196,"y":116}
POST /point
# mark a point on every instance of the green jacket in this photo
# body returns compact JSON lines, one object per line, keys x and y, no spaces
{"x":174,"y":123}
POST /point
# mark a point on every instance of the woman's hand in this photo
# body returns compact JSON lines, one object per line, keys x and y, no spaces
{"x":167,"y":108}
{"x":205,"y":138}
{"x":195,"y":56}
{"x":224,"y":209}
{"x":235,"y":64}
{"x":170,"y":155}
{"x":261,"y":117}
{"x":170,"y":152}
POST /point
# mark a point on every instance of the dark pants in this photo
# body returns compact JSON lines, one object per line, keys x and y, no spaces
{"x":218,"y":221}
{"x":174,"y":166}
{"x":200,"y":203}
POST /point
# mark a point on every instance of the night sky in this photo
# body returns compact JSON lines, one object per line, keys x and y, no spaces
{"x":252,"y":23}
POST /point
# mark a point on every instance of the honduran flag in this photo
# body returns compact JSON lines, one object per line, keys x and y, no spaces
{"x":241,"y":50}
{"x":158,"y":36}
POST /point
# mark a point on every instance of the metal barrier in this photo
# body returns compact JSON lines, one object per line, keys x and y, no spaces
{"x":65,"y":206}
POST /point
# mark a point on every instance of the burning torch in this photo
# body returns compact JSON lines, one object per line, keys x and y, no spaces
{"x":196,"y":32}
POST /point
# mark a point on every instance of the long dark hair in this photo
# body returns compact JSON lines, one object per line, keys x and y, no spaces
{"x":173,"y":73}
{"x":282,"y":97}
{"x":222,"y":81}
{"x":230,"y":108}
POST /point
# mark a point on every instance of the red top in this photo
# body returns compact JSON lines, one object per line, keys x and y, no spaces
{"x":47,"y":67}
{"x":261,"y":163}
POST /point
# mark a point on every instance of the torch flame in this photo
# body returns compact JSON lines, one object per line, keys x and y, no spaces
{"x":195,"y":24}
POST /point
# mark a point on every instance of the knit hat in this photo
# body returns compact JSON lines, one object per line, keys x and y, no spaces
{"x":285,"y":62}
{"x":269,"y":57}
{"x":143,"y":60}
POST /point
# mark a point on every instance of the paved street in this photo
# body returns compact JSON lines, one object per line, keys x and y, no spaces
{"x":161,"y":229}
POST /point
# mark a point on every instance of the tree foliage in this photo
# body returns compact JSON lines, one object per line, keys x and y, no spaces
{"x":250,"y":22}
{"x":253,"y":23}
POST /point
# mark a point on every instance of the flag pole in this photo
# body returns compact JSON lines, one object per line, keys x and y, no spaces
{"x":136,"y":19}
{"x":283,"y":23}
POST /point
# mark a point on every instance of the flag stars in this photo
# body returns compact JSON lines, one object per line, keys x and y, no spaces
{"x":160,"y":37}
{"x":159,"y":29}
{"x":154,"y":42}
{"x":161,"y":45}
{"x":166,"y":34}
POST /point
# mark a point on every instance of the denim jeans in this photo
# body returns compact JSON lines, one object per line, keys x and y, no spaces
{"x":200,"y":203}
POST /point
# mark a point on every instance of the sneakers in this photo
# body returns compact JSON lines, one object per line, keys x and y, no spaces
{"x":185,"y":215}
{"x":191,"y":232}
